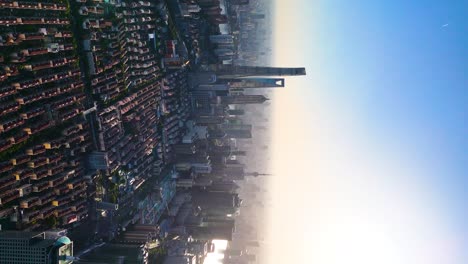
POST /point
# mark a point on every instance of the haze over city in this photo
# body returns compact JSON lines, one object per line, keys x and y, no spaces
{"x":233,"y":132}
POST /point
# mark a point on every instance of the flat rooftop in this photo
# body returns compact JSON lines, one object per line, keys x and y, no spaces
{"x":19,"y":234}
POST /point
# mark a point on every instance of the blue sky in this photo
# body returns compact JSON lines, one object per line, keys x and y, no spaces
{"x":389,"y":80}
{"x":406,"y":72}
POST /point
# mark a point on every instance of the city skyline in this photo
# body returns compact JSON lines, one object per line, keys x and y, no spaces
{"x":233,"y":132}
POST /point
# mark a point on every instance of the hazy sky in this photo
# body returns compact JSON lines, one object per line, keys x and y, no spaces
{"x":371,"y":147}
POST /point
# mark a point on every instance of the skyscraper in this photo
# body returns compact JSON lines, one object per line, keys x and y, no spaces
{"x":243,"y":83}
{"x":239,"y":2}
{"x":241,"y":99}
{"x":34,"y":247}
{"x":235,"y":71}
{"x":222,"y":39}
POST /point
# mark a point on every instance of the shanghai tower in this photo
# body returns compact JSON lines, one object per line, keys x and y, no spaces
{"x":234,"y":71}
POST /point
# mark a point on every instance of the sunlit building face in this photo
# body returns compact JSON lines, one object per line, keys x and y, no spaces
{"x":217,"y":256}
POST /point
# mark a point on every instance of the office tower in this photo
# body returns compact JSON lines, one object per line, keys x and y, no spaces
{"x":239,"y":153}
{"x":257,"y":16}
{"x":236,"y":112}
{"x":237,"y":126}
{"x":223,"y":52}
{"x":238,"y":133}
{"x":208,"y":3}
{"x":235,"y":71}
{"x":18,"y":247}
{"x":239,"y":2}
{"x":225,"y":187}
{"x":218,"y":19}
{"x":206,"y":199}
{"x":209,"y":120}
{"x":222,"y":39}
{"x":241,"y":83}
{"x":241,"y":99}
{"x":211,"y":232}
{"x":244,"y":83}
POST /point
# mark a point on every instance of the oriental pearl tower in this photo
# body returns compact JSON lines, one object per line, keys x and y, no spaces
{"x":256,"y":174}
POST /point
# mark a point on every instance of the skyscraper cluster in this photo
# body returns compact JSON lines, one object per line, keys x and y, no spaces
{"x":120,"y":124}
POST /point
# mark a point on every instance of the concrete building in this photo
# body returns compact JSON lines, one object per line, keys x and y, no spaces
{"x":34,"y":248}
{"x":222,"y":39}
{"x":241,"y":99}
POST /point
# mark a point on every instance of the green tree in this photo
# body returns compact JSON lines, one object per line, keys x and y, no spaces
{"x":51,"y":221}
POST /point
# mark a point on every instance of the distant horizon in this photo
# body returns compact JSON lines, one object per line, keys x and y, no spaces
{"x":370,"y":146}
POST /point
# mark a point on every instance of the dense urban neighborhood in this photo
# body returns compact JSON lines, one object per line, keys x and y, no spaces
{"x":124,"y":128}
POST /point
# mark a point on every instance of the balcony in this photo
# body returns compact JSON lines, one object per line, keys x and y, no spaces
{"x":5,"y":144}
{"x":56,"y":21}
{"x":76,"y":183}
{"x":33,"y":113}
{"x":29,"y":202}
{"x":32,"y":36}
{"x":39,"y":162}
{"x":55,"y":158}
{"x":70,"y":114}
{"x":58,"y":180}
{"x":36,"y":150}
{"x":46,"y":198}
{"x":54,"y":144}
{"x":56,"y":7}
{"x":71,"y":130}
{"x":39,"y":175}
{"x":9,"y":108}
{"x":6,"y":91}
{"x":8,"y":196}
{"x":51,"y":93}
{"x":38,"y":127}
{"x":62,"y":190}
{"x":75,"y":141}
{"x":27,"y":84}
{"x":10,"y":124}
{"x":32,"y":216}
{"x":34,"y":52}
{"x":63,"y":103}
{"x":32,"y":5}
{"x":7,"y":181}
{"x":68,"y":88}
{"x":27,"y":5}
{"x":4,"y":213}
{"x":80,"y":191}
{"x":24,"y":190}
{"x":48,"y":211}
{"x":30,"y":20}
{"x":49,"y":64}
{"x":56,"y":170}
{"x":68,"y":47}
{"x":63,"y":211}
{"x":9,"y":21}
{"x":18,"y":160}
{"x":19,"y":137}
{"x":30,"y":99}
{"x":40,"y":187}
{"x":65,"y":34}
{"x":23,"y":174}
{"x":79,"y":97}
{"x":78,"y":206}
{"x":74,"y":163}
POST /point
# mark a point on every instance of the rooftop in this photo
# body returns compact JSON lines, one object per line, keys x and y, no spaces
{"x":19,"y":234}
